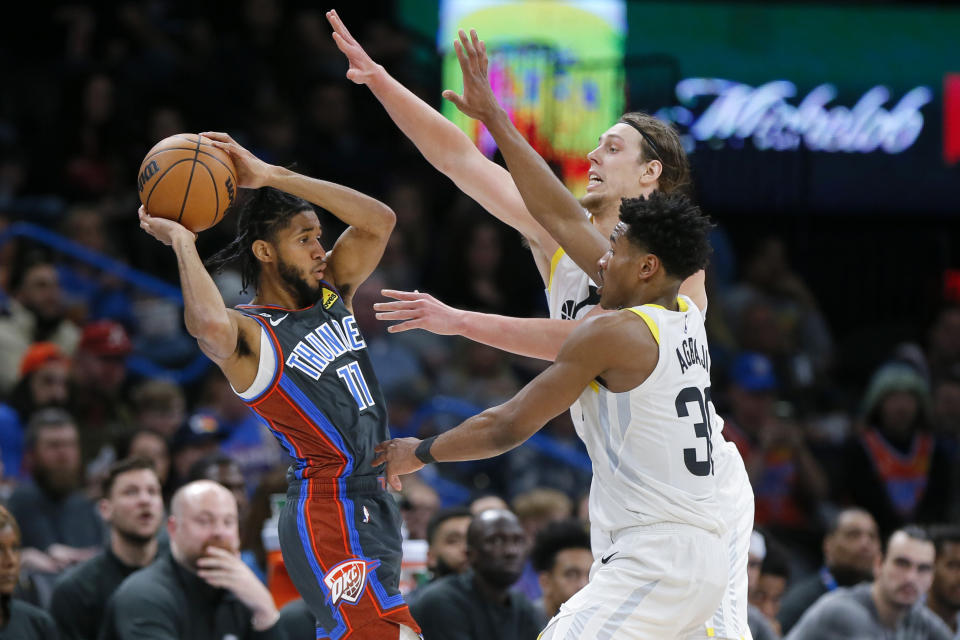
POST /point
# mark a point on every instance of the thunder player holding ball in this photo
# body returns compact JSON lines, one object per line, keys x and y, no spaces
{"x":635,"y":157}
{"x":296,"y":357}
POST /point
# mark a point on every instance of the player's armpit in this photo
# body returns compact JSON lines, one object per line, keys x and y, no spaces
{"x":236,"y":351}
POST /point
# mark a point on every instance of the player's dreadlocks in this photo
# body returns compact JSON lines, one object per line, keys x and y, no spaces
{"x":672,"y":228}
{"x":260,"y":215}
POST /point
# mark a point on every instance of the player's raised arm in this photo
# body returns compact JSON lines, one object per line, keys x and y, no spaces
{"x":445,"y":146}
{"x":595,"y":348}
{"x":358,"y":249}
{"x":532,"y":337}
{"x":545,"y":196}
{"x":218,"y":330}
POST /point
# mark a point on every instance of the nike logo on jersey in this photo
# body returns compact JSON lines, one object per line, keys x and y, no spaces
{"x":275,"y":321}
{"x":608,"y":558}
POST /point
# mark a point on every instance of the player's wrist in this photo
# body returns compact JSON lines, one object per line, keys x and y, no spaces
{"x":423,"y":451}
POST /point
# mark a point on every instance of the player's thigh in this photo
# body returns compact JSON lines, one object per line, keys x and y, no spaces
{"x":658,"y":584}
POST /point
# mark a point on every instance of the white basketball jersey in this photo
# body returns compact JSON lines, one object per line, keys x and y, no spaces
{"x":652,"y":446}
{"x":571,"y":294}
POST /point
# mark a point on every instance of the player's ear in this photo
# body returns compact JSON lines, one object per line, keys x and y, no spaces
{"x":649,"y":265}
{"x":263,"y":251}
{"x":651,"y":171}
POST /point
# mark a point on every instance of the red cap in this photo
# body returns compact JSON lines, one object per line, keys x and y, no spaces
{"x":105,"y":338}
{"x":39,"y":354}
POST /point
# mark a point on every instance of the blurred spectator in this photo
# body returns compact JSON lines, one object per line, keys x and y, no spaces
{"x":60,"y":526}
{"x":562,"y":558}
{"x":132,"y":506}
{"x":222,"y":469}
{"x":34,"y":313}
{"x":895,"y":468}
{"x":145,"y":443}
{"x":18,"y":620}
{"x":536,"y":509}
{"x":943,"y":347}
{"x":760,"y":627}
{"x":200,"y":436}
{"x":246,"y":439}
{"x":447,"y":536}
{"x":787,"y":480}
{"x":160,"y":406}
{"x":479,"y":603}
{"x":418,"y":502}
{"x":851,"y":549}
{"x":90,"y":292}
{"x":806,"y":350}
{"x":297,"y":621}
{"x":44,"y":382}
{"x":890,"y":606}
{"x":767,"y":591}
{"x":201,"y":589}
{"x":99,"y":372}
{"x":944,"y":595}
{"x":946,"y":404}
{"x":489,"y":501}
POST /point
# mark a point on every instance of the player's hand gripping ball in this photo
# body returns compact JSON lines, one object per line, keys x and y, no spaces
{"x":186,"y":179}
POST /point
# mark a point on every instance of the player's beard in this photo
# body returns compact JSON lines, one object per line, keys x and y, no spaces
{"x":304,"y":293}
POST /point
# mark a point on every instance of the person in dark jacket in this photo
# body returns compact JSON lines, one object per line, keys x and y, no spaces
{"x":478,"y":603}
{"x":201,"y":589}
{"x":18,"y":620}
{"x":132,"y":505}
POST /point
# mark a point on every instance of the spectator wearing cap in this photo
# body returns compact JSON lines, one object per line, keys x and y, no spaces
{"x":98,"y":374}
{"x":787,"y":480}
{"x":200,"y":436}
{"x":895,"y":467}
{"x":34,"y":313}
{"x":59,"y":523}
{"x":44,"y":382}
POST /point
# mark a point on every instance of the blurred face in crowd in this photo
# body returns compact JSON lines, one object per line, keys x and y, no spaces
{"x":946,"y":577}
{"x":946,"y":407}
{"x":103,"y":373}
{"x":203,"y":514}
{"x":229,"y":475}
{"x":56,"y":459}
{"x":50,"y":384}
{"x":40,"y":292}
{"x":752,"y":410}
{"x":448,"y":548}
{"x":855,"y":545}
{"x":150,"y":445}
{"x":754,"y":563}
{"x":9,"y":559}
{"x":898,"y":410}
{"x":134,"y":508}
{"x":418,"y":505}
{"x":905,"y":572}
{"x":497,"y":547}
{"x":570,"y":572}
{"x":767,"y":594}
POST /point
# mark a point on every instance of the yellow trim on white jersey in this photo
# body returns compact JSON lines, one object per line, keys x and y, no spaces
{"x":553,"y":265}
{"x":682,"y":305}
{"x":593,"y":385}
{"x":650,"y":323}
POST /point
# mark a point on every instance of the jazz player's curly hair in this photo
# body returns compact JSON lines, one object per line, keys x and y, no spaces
{"x":261,"y":214}
{"x":671,"y":227}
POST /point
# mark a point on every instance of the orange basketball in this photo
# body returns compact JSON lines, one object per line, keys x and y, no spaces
{"x":187,"y":179}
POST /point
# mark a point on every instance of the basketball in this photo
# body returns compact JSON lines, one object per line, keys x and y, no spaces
{"x":187,"y":179}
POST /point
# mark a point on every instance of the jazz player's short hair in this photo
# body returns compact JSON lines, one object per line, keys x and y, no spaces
{"x":261,"y":214}
{"x":671,"y":227}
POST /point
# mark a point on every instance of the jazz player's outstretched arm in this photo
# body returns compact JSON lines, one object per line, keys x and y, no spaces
{"x":359,"y":248}
{"x":616,"y":347}
{"x":446,"y":147}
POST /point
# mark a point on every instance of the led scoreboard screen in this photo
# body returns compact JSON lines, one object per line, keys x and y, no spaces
{"x":790,"y":108}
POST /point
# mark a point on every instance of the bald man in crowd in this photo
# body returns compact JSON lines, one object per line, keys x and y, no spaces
{"x":202,"y":589}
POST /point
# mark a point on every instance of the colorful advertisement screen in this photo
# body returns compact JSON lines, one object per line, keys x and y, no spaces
{"x":556,"y":66}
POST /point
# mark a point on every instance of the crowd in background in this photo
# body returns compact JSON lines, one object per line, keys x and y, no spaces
{"x":96,"y":86}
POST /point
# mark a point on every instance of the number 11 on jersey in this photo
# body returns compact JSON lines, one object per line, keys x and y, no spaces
{"x":353,"y":378}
